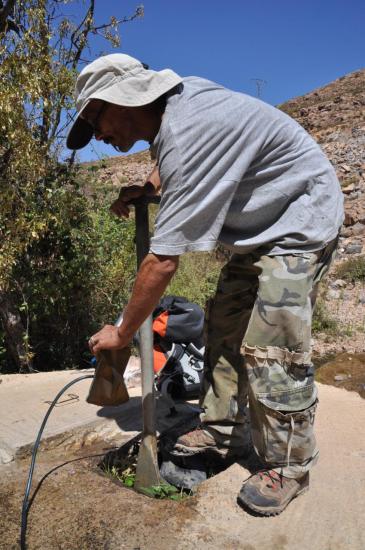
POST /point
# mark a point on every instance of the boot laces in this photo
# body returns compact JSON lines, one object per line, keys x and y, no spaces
{"x":273,"y":479}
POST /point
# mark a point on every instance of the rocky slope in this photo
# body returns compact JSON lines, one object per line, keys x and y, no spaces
{"x":335,"y":116}
{"x":120,"y":171}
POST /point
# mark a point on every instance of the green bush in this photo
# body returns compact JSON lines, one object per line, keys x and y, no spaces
{"x":352,"y":269}
{"x":196,"y":278}
{"x":114,"y":265}
{"x":72,"y":280}
{"x":53,"y":276}
{"x":78,"y":274}
{"x":51,"y":237}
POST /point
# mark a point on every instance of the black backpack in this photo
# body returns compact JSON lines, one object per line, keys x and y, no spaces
{"x":178,"y":348}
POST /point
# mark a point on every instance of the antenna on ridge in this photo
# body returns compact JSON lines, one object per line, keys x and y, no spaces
{"x":260,"y":83}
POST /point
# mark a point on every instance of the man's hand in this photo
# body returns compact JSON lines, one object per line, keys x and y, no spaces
{"x":121,"y":208}
{"x":107,"y":338}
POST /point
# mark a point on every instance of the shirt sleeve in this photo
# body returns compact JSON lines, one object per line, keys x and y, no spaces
{"x":193,"y":208}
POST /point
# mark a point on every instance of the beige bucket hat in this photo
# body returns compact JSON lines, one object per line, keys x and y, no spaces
{"x":119,"y":79}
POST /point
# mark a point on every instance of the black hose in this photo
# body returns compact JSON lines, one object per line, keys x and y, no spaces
{"x":26,"y":502}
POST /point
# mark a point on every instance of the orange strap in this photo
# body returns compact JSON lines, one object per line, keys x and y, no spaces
{"x":160,"y":324}
{"x":159,"y":359}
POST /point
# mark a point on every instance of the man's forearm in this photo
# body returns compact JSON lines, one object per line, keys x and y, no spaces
{"x":152,"y":279}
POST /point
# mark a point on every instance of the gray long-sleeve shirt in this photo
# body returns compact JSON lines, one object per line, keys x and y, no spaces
{"x":239,"y":171}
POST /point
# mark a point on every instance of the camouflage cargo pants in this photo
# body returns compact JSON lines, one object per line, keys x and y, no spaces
{"x":258,"y":332}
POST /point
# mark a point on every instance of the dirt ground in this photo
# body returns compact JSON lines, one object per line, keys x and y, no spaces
{"x":77,"y":508}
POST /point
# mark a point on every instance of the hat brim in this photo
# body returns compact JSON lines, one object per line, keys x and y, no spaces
{"x":80,"y":134}
{"x":137,"y":90}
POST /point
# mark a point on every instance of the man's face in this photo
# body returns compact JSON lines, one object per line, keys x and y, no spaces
{"x":117,"y":125}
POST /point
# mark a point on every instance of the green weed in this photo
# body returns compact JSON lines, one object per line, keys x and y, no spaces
{"x":128,"y":477}
{"x":352,"y":269}
{"x":347,"y":330}
{"x":165,"y":490}
{"x":322,"y":320}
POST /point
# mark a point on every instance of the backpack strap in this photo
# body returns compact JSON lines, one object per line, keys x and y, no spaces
{"x":160,"y":323}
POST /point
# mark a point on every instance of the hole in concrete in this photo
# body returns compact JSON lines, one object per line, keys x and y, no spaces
{"x":182,"y":474}
{"x":120,"y":464}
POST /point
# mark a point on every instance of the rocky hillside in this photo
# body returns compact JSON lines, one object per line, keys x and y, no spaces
{"x":121,"y":171}
{"x":335,"y":116}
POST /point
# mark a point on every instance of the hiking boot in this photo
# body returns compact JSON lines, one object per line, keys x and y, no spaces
{"x":267,"y":493}
{"x":201,"y":440}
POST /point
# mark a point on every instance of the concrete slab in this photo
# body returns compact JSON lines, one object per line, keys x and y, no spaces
{"x":73,"y":423}
{"x":25,"y":399}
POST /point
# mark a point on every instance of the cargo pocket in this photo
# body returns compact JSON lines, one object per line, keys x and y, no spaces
{"x":283,"y":435}
{"x":290,"y":400}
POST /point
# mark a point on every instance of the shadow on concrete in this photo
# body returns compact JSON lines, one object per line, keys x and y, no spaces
{"x":127,"y":416}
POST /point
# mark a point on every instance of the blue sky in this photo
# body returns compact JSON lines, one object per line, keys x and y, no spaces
{"x":295,"y":46}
